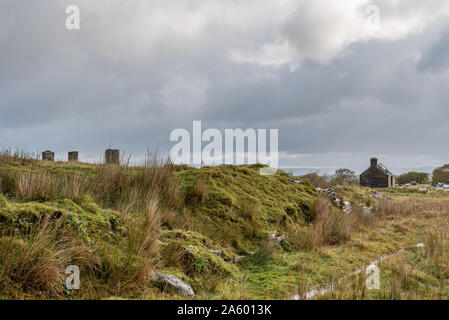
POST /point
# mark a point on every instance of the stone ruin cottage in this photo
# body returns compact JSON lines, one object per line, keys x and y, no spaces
{"x":377,"y":176}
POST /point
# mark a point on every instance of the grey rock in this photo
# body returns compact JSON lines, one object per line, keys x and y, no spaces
{"x":280,"y":238}
{"x":175,"y":283}
{"x":217,"y":252}
{"x":271,"y":235}
{"x":347,"y":207}
{"x":437,"y":186}
{"x":275,"y":238}
{"x":336,"y":202}
{"x":238,"y":258}
{"x":368,"y":210}
{"x":378,"y":195}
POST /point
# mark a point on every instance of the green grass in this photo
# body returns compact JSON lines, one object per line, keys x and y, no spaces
{"x":130,"y":221}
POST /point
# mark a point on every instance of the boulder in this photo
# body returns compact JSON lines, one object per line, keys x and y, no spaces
{"x":238,"y":258}
{"x":271,"y":235}
{"x":336,"y":202}
{"x":347,"y":207}
{"x":217,"y":252}
{"x":378,"y":195}
{"x":169,"y":280}
{"x":275,"y":238}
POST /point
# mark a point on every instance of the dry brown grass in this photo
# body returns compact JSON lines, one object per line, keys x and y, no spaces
{"x":196,"y":193}
{"x":248,"y":210}
{"x":8,"y":156}
{"x":120,"y":187}
{"x":41,"y":185}
{"x":316,"y":180}
{"x":328,"y":226}
{"x":36,"y":263}
{"x":412,"y":205}
{"x":128,"y":188}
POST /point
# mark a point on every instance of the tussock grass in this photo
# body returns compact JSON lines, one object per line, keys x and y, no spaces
{"x":35,"y":263}
{"x":328,"y":226}
{"x":127,"y":271}
{"x":8,"y":156}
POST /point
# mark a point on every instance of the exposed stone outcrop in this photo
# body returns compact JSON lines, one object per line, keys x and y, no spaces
{"x":169,"y":280}
{"x":332,"y":196}
{"x":217,"y":252}
{"x":275,"y":238}
{"x":296,"y":181}
{"x":439,"y":186}
{"x":238,"y":258}
{"x":378,"y":195}
{"x":368,"y":210}
{"x":347,"y":207}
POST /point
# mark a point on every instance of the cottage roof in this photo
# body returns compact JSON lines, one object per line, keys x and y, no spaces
{"x":382,"y":168}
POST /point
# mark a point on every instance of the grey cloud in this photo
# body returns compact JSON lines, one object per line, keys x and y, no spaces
{"x":128,"y":79}
{"x":436,"y":57}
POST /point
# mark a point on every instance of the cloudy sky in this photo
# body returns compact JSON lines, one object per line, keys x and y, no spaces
{"x":340,"y":82}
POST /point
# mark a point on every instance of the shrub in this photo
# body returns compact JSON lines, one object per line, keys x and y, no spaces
{"x":441,"y":174}
{"x":344,"y":177}
{"x":316,"y":180}
{"x":420,"y":177}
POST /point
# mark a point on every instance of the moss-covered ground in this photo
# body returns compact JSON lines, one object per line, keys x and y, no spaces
{"x":226,"y":212}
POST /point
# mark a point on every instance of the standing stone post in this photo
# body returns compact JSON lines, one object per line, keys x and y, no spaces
{"x":112,"y":156}
{"x":73,"y":156}
{"x":48,"y":156}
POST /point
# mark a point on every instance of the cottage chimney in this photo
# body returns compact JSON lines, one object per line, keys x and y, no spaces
{"x":373,"y":162}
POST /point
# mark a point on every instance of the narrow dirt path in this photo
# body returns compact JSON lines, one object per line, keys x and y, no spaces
{"x":328,"y":287}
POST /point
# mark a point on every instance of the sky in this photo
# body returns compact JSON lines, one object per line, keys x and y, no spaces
{"x":342,"y":81}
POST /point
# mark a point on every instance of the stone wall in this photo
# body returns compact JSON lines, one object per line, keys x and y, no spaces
{"x":73,"y":156}
{"x":48,"y":156}
{"x":112,"y":156}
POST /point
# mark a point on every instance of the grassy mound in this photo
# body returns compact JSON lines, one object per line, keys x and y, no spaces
{"x":120,"y":223}
{"x":236,"y":205}
{"x":209,"y":227}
